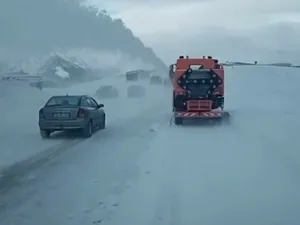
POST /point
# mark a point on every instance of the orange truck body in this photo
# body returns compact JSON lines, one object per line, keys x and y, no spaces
{"x":198,"y":88}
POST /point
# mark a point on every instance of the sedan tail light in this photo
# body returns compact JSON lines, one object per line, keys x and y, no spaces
{"x":41,"y":114}
{"x":81,"y":113}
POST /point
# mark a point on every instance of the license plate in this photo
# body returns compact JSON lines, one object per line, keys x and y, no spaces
{"x":61,"y":115}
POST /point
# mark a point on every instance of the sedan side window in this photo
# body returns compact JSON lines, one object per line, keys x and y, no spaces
{"x":95,"y":104}
{"x":90,"y":103}
{"x":85,"y":103}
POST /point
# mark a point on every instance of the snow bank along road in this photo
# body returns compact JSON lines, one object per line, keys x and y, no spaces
{"x":141,"y":171}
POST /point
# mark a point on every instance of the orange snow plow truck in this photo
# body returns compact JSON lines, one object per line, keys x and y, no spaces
{"x":198,"y":89}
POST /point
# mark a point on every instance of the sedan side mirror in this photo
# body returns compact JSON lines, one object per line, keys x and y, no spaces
{"x":100,"y":106}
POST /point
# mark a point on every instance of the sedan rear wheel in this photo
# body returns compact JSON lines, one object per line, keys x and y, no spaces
{"x":88,"y":130}
{"x":45,"y":133}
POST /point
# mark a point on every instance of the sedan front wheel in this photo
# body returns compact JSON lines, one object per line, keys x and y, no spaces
{"x":102,"y":126}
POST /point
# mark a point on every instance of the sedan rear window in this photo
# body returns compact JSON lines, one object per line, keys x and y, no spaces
{"x":64,"y":101}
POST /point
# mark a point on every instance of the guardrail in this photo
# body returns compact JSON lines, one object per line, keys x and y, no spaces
{"x":20,"y":78}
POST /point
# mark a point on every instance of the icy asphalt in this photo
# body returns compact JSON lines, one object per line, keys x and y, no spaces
{"x":141,"y":171}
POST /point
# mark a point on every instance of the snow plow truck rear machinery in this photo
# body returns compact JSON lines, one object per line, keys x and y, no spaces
{"x":198,"y":90}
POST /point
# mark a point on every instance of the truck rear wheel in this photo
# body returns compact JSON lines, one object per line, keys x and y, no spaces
{"x":178,"y":121}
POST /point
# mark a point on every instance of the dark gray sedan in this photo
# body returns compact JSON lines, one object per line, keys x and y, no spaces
{"x":71,"y":112}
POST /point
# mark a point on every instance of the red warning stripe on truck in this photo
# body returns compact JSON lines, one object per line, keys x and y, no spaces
{"x":198,"y":114}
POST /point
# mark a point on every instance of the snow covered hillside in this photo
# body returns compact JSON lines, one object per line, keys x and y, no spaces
{"x":140,"y":170}
{"x":38,"y":29}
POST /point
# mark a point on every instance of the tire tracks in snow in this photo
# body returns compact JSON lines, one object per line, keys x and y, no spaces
{"x":12,"y":175}
{"x":16,"y":176}
{"x":148,"y":126}
{"x":155,"y":197}
{"x":168,"y":210}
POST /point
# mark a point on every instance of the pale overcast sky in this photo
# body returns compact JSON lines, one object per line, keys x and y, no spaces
{"x":231,"y":29}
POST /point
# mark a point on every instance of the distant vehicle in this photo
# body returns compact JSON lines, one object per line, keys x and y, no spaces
{"x":144,"y":75}
{"x":80,"y":112}
{"x":166,"y":82}
{"x":155,"y":79}
{"x":39,"y":85}
{"x":132,"y":75}
{"x":45,"y":84}
{"x":136,"y":91}
{"x":107,"y":91}
{"x":135,"y":75}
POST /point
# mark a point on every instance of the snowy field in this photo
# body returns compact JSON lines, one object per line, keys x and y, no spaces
{"x":142,"y":171}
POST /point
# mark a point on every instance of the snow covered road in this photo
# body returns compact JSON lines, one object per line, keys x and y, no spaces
{"x":20,"y":104}
{"x":140,"y":171}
